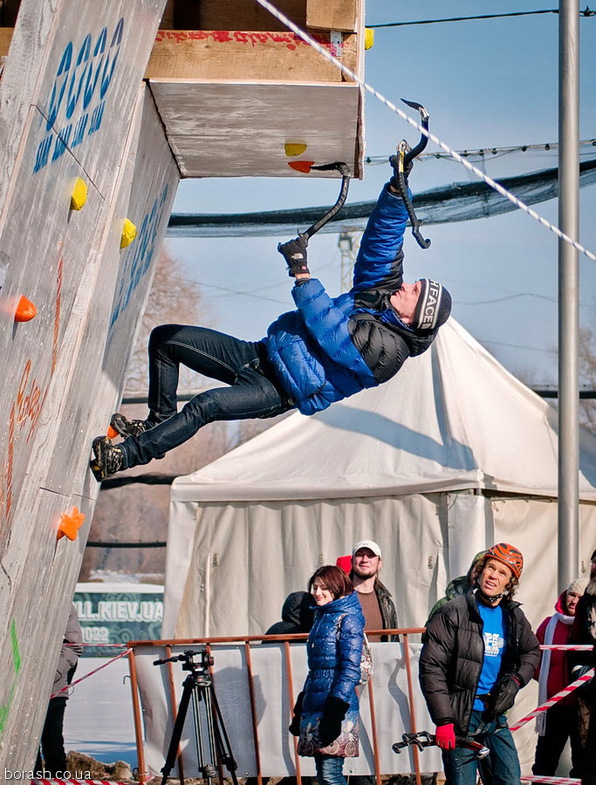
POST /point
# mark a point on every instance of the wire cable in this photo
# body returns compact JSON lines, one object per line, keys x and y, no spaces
{"x":432,"y":137}
{"x":587,"y":12}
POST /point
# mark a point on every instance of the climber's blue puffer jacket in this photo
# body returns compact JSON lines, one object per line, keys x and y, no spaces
{"x":330,"y":348}
{"x":334,"y":651}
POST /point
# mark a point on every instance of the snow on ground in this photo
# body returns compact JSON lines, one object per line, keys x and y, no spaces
{"x":99,"y":719}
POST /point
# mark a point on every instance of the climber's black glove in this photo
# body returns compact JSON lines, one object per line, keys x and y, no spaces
{"x":294,"y":252}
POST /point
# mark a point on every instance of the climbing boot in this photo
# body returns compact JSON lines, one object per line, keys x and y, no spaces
{"x":107,"y":459}
{"x":125,"y":427}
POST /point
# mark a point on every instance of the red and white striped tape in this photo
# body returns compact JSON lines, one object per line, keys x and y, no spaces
{"x":555,"y":699}
{"x":86,"y":676}
{"x":552,"y":780}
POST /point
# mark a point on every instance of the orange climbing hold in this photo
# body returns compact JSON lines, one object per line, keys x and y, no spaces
{"x":112,"y":433}
{"x":301,"y":166}
{"x":70,"y":523}
{"x":25,"y":310}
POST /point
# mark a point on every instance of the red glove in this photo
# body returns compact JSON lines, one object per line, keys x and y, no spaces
{"x":445,"y":736}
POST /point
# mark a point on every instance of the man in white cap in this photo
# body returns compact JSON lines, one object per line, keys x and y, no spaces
{"x":377,"y":605}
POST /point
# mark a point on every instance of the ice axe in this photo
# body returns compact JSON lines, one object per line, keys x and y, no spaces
{"x":344,"y":170}
{"x":425,"y":739}
{"x":405,"y":154}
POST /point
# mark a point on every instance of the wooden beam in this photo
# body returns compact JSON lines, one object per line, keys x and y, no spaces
{"x":5,"y":39}
{"x":240,"y":14}
{"x":205,"y":55}
{"x":337,"y":15}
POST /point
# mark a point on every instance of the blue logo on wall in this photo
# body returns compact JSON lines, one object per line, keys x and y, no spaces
{"x":77,"y":99}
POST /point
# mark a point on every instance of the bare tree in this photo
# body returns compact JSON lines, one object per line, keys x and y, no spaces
{"x":587,"y":374}
{"x":173,"y":300}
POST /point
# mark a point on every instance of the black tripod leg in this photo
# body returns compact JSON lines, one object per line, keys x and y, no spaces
{"x":224,"y":750}
{"x":206,"y":766}
{"x":177,"y":730}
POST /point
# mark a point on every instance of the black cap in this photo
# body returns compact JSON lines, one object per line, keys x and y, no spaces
{"x":433,"y":307}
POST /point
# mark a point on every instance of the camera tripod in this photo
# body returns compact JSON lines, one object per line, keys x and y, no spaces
{"x":198,"y":690}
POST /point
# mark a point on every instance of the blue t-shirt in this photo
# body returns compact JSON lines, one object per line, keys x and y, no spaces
{"x":494,"y":642}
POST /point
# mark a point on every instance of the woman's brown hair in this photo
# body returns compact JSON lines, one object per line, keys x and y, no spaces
{"x":334,"y":579}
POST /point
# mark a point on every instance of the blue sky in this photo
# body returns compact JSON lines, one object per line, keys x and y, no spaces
{"x":486,"y":83}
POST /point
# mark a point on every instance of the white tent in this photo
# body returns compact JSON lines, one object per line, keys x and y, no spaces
{"x":448,"y":457}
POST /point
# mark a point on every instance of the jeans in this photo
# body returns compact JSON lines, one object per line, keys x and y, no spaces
{"x":561,"y":724}
{"x":501,"y":767}
{"x":330,"y":770}
{"x":253,"y":390}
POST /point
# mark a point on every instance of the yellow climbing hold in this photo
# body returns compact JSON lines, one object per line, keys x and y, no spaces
{"x":129,"y":232}
{"x":79,"y":195}
{"x":369,"y":38}
{"x":295,"y":148}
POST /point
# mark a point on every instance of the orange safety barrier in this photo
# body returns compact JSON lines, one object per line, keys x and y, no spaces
{"x":247,"y":641}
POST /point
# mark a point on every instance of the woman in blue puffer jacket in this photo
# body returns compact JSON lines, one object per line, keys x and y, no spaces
{"x":326,"y":712}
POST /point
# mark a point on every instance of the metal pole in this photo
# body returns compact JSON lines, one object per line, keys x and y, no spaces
{"x":568,"y":504}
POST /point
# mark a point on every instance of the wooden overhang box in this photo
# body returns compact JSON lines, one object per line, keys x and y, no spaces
{"x":235,"y":86}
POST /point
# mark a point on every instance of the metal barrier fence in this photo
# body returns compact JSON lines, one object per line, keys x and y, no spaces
{"x":248,"y":641}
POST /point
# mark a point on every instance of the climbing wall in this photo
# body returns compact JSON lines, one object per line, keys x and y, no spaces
{"x":75,"y":116}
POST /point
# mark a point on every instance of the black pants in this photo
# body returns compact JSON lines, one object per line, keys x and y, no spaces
{"x":561,"y":724}
{"x":588,"y":773}
{"x":52,"y":740}
{"x":252,"y":391}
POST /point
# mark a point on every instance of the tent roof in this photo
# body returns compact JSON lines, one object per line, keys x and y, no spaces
{"x":451,"y":419}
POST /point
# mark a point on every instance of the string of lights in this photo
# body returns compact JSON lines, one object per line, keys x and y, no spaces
{"x":495,"y":152}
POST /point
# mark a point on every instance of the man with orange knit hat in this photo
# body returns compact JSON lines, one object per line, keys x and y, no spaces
{"x":479,"y":651}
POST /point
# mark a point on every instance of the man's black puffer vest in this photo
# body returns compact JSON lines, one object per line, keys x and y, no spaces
{"x":384,"y":346}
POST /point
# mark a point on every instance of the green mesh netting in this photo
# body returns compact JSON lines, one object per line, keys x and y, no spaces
{"x":447,"y":204}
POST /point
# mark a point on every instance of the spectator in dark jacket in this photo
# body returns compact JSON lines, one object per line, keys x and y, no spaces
{"x":52,"y":740}
{"x":296,"y":615}
{"x":326,"y":350}
{"x":460,"y":585}
{"x":584,"y":632}
{"x":480,"y":650}
{"x":561,"y":721}
{"x":326,"y":712}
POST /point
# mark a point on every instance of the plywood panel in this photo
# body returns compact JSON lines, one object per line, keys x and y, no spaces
{"x":233,"y":130}
{"x":35,"y":622}
{"x":337,"y":15}
{"x":87,"y":70}
{"x":60,"y":381}
{"x":45,"y":247}
{"x":146,"y":195}
{"x":79,"y":394}
{"x":202,"y":55}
